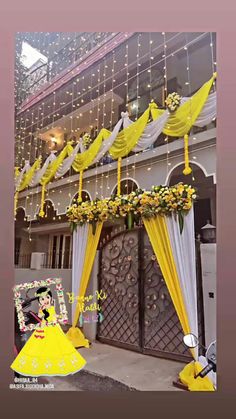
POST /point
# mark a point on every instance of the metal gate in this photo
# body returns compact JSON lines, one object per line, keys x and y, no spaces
{"x":138,"y":313}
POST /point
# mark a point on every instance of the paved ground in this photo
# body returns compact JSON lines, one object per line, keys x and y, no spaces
{"x":113,"y":369}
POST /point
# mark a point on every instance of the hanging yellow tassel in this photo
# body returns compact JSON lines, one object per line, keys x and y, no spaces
{"x":80,"y":186}
{"x":15,"y":202}
{"x":17,"y":171}
{"x":119,"y":176}
{"x":41,"y":212}
{"x":187,"y":170}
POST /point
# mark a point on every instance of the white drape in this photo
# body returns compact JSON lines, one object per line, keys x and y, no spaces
{"x":155,"y":128}
{"x":148,"y":137}
{"x":40,"y":172}
{"x":183,"y":248}
{"x":106,"y":144}
{"x":19,"y":178}
{"x":80,"y":238}
{"x":208,"y":112}
{"x":151,"y":132}
{"x":67,"y":162}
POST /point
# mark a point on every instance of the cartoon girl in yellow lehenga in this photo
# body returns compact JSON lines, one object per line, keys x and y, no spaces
{"x":48,"y":352}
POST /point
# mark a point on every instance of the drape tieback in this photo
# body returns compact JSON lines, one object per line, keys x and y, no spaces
{"x":187,"y":170}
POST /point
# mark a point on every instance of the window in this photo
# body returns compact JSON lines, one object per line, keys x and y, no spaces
{"x":60,"y":251}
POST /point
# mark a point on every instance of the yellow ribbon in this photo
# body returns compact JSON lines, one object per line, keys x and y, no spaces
{"x":41,"y":212}
{"x":80,"y":186}
{"x":119,"y":176}
{"x":15,"y":202}
{"x":187,"y":170}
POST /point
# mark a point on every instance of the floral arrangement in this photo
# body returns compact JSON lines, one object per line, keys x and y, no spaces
{"x":173,"y":101}
{"x":86,"y":140}
{"x":63,"y":317}
{"x":162,"y":200}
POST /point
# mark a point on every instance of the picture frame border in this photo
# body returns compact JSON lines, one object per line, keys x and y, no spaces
{"x":63,"y":316}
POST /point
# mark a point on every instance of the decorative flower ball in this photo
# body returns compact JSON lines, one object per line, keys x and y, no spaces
{"x":173,"y":101}
{"x":87,"y":140}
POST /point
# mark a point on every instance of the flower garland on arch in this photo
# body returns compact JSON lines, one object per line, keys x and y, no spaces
{"x":161,"y":200}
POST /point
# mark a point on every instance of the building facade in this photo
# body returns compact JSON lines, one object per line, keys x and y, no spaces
{"x":85,"y":84}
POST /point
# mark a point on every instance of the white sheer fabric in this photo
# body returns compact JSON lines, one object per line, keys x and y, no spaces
{"x":19,"y":178}
{"x":183,"y":247}
{"x":208,"y":112}
{"x":151,"y":132}
{"x":40,"y":172}
{"x":106,"y":144}
{"x":67,"y":162}
{"x":80,"y":238}
{"x":149,"y":136}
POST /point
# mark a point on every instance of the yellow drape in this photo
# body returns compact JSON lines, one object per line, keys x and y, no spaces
{"x":159,"y":238}
{"x":26,"y":181}
{"x":29,"y":175}
{"x":181,"y":121}
{"x":50,"y":173}
{"x":74,"y":334}
{"x":178,"y":125}
{"x":127,"y":139}
{"x":54,"y":165}
{"x":83,"y":160}
{"x":195,"y":384}
{"x":17,"y":172}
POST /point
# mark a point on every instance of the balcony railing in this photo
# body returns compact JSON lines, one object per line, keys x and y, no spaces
{"x":50,"y":260}
{"x":68,"y":55}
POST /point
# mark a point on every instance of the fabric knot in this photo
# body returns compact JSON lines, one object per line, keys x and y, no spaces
{"x":153,"y":105}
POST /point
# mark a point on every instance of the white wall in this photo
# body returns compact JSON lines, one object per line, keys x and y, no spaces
{"x":208,"y":260}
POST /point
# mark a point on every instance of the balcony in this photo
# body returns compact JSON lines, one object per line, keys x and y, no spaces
{"x":62,"y":60}
{"x":49,"y":260}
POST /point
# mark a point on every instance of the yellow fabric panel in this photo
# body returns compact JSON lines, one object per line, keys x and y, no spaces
{"x":180,"y":122}
{"x":155,"y":112}
{"x":77,"y":338}
{"x":17,"y":172}
{"x":159,"y":238}
{"x":83,"y":160}
{"x":53,"y":166}
{"x":195,"y":384}
{"x":74,"y":334}
{"x":29,"y":175}
{"x":127,"y":139}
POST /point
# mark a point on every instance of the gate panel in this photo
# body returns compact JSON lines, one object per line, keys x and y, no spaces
{"x":138,"y":311}
{"x":163,"y":334}
{"x":119,"y":275}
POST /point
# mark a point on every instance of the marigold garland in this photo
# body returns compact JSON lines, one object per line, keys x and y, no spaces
{"x":162,"y":200}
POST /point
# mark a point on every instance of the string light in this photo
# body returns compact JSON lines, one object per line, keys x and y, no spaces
{"x":95,"y":86}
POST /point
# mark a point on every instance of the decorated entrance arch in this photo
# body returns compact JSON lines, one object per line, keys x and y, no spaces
{"x":167,"y":215}
{"x":166,"y":212}
{"x":138,"y":313}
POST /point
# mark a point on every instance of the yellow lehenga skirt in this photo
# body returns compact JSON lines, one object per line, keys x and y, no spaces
{"x":48,"y":352}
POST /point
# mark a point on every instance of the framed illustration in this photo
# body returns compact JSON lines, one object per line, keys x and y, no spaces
{"x":63,"y":315}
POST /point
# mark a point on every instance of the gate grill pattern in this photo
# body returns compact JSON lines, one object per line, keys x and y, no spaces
{"x":119,"y":279}
{"x":138,"y":311}
{"x":162,"y":330}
